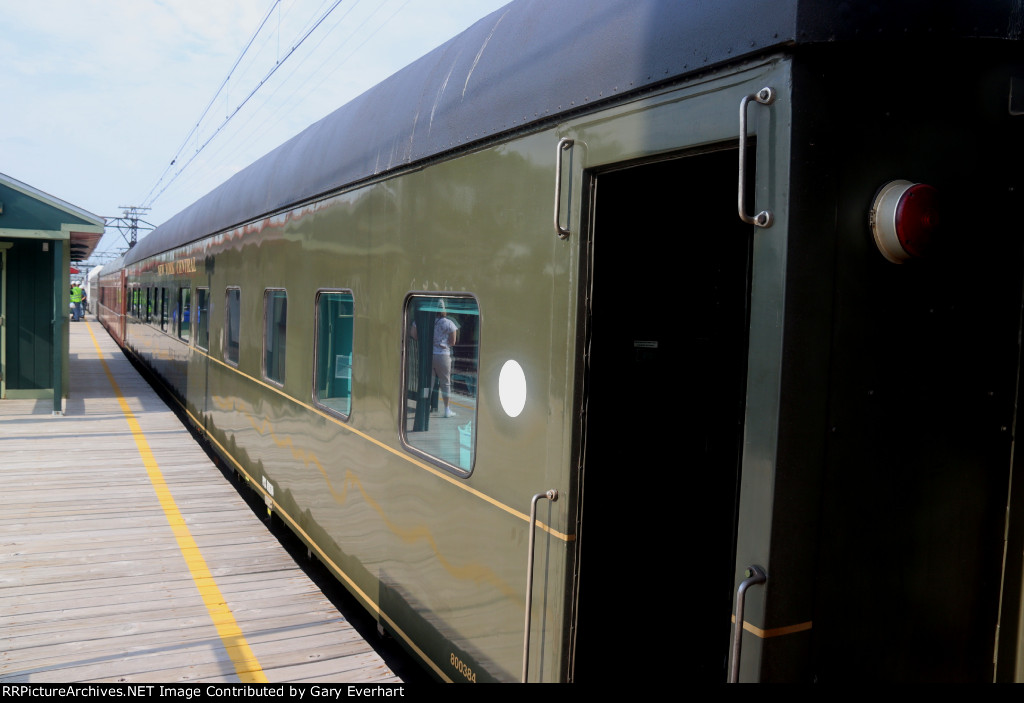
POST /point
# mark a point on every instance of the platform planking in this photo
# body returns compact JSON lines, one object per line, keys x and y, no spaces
{"x":94,"y":584}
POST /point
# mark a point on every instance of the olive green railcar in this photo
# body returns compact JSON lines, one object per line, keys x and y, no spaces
{"x":678,"y":341}
{"x":370,"y":507}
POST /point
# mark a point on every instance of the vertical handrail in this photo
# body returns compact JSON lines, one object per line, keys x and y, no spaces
{"x":755,"y":574}
{"x":564,"y":144}
{"x":551,"y":495}
{"x":765,"y":96}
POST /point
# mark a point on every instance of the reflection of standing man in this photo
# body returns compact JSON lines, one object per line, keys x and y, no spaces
{"x":76,"y":301}
{"x":445,"y":333}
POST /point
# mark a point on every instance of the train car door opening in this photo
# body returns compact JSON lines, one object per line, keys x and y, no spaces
{"x":665,"y":378}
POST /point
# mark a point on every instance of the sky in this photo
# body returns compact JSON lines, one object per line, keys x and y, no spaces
{"x":99,"y":97}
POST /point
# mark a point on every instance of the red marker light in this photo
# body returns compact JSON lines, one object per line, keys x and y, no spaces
{"x":904,"y":219}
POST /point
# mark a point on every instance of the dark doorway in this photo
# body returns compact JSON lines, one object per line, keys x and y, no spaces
{"x":665,"y":379}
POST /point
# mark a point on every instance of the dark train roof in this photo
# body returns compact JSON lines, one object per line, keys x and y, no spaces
{"x":534,"y":59}
{"x":111,"y":267}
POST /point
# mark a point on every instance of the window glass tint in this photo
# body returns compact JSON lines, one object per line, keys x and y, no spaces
{"x":334,"y":352}
{"x":183,"y":313}
{"x":164,"y":308}
{"x":440,"y":390}
{"x":233,"y":316}
{"x":275,"y":316}
{"x":202,"y":318}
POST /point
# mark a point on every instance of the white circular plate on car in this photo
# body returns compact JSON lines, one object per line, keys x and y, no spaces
{"x":512,"y":388}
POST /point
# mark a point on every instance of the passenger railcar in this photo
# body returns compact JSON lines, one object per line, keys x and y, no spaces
{"x":736,"y":294}
{"x":92,"y":288}
{"x":108,"y":298}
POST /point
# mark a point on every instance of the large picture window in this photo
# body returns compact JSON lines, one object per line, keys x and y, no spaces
{"x":275,"y":319}
{"x":440,"y":379}
{"x":232,"y":324}
{"x":333,"y":389}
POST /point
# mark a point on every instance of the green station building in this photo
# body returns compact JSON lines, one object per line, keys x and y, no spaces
{"x":40,"y":238}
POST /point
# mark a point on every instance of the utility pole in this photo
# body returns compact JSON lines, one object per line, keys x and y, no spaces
{"x":128,"y":223}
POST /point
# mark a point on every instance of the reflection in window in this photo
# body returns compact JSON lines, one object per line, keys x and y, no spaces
{"x":233,"y":316}
{"x":165,"y":308}
{"x":202,"y":318}
{"x":183,"y":313}
{"x":275,"y":318}
{"x":440,"y":389}
{"x":334,"y":352}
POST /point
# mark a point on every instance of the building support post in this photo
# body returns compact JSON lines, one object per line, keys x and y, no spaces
{"x":59,"y":314}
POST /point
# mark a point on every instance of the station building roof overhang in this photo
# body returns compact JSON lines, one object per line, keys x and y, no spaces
{"x":29,"y":213}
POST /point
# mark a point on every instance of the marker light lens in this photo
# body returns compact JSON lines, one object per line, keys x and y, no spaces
{"x":917,"y":219}
{"x":904,"y":219}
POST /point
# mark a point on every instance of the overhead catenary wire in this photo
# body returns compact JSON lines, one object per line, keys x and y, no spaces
{"x":224,"y":83}
{"x":271,"y":114}
{"x":151,"y":198}
{"x":243,"y":134}
{"x":300,"y":92}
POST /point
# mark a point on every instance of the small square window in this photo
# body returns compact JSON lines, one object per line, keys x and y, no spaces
{"x":183,"y":313}
{"x":232,"y":323}
{"x":275,"y":318}
{"x":203,"y":318}
{"x":165,"y":308}
{"x":334,"y":318}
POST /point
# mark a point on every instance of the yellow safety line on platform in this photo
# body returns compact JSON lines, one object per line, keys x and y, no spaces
{"x":243,"y":658}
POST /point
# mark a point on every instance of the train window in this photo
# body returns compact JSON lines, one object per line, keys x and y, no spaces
{"x":183,"y":313}
{"x":275,"y":324}
{"x":164,"y":309}
{"x":440,"y":379}
{"x":202,"y":318}
{"x":334,"y":316}
{"x":232,"y":323}
{"x":149,"y":305}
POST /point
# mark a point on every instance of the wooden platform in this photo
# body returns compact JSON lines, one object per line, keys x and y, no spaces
{"x":95,"y":583}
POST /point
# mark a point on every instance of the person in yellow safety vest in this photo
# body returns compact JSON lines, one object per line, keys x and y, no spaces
{"x":76,"y":302}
